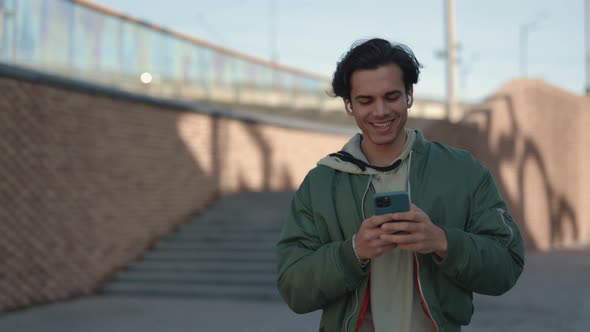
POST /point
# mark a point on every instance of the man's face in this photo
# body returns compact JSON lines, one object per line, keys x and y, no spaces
{"x":380,"y":108}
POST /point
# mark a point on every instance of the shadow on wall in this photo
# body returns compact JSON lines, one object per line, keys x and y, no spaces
{"x":545,"y":215}
{"x":276,"y":175}
{"x":519,"y":164}
{"x":520,"y":153}
{"x":265,"y":152}
{"x":509,"y":133}
{"x":257,"y":156}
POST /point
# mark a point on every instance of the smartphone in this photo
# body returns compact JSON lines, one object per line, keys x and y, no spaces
{"x":391,"y":202}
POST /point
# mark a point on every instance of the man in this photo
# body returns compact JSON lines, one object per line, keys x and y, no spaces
{"x":406,"y":271}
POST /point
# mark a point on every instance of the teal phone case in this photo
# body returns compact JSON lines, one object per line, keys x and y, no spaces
{"x":391,"y":202}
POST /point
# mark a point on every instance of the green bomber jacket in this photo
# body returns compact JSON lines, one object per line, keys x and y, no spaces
{"x":317,"y":267}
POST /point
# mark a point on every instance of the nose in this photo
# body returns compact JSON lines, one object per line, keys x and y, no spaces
{"x":381,"y":108}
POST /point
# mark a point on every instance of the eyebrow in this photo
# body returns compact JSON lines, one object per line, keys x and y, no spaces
{"x":386,"y":94}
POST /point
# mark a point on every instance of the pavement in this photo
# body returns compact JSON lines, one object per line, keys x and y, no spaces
{"x":129,"y":314}
{"x":553,"y":294}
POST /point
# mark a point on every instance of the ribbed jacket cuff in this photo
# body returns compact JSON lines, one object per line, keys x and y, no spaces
{"x":455,"y":259}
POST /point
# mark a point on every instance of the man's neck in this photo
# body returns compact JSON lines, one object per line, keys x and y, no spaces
{"x":384,"y":155}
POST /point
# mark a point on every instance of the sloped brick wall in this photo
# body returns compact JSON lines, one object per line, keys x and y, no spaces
{"x":535,"y":138}
{"x":87,"y":183}
{"x":90,"y":181}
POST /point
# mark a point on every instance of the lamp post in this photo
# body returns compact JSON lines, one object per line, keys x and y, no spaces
{"x":272,"y":31}
{"x":1,"y":21}
{"x":588,"y":47}
{"x":3,"y":15}
{"x":524,"y":31}
{"x":451,"y":59}
{"x":523,"y":38}
{"x":272,"y":40}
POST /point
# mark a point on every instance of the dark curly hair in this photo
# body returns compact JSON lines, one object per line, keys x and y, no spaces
{"x":372,"y":54}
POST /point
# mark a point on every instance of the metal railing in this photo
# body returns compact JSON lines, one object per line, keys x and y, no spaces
{"x":80,"y":40}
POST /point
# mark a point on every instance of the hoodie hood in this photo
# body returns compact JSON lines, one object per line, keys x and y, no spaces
{"x":351,"y":158}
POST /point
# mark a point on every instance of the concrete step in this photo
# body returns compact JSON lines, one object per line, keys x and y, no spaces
{"x":226,"y":225}
{"x":211,"y":255}
{"x":236,"y":241}
{"x":200,"y":291}
{"x":202,"y":267}
{"x":205,"y":278}
{"x":230,"y":247}
{"x":247,"y":203}
{"x":225,"y":236}
{"x":269,"y":224}
{"x":226,"y":252}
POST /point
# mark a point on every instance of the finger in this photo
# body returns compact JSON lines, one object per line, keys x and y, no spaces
{"x":402,"y":239}
{"x":415,"y":213}
{"x":379,"y":242}
{"x":379,"y":220}
{"x":368,"y":234}
{"x":399,"y":226}
{"x":414,"y":208}
{"x":409,"y":215}
{"x":376,"y":240}
{"x":415,"y":216}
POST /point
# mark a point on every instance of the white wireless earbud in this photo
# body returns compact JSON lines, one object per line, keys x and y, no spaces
{"x":409,"y":100}
{"x":349,"y":108}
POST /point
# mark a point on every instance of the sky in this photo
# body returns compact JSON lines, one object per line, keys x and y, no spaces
{"x":313,"y":35}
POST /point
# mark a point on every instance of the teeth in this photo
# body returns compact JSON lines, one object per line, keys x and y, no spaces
{"x":382,"y":124}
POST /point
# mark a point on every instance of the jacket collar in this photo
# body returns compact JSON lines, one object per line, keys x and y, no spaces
{"x":421,"y":144}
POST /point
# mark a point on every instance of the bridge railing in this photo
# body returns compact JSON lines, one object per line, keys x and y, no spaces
{"x":82,"y":40}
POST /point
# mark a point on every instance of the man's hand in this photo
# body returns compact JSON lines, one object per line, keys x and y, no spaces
{"x":368,"y":241}
{"x":414,"y":231}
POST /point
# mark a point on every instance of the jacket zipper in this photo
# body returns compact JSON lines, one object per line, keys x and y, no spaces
{"x":356,"y":304}
{"x":422,"y":298}
{"x":369,"y":184}
{"x":417,"y":265}
{"x":356,"y":292}
{"x":501,"y":212}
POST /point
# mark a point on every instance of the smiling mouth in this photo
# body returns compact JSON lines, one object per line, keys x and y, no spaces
{"x":382,"y":124}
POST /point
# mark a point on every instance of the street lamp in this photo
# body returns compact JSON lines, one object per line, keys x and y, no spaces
{"x":3,"y":15}
{"x":588,"y":47}
{"x":451,"y":58}
{"x":449,"y":54}
{"x":272,"y":31}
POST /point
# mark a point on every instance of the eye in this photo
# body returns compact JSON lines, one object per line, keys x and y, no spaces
{"x":392,"y":97}
{"x":364,"y":101}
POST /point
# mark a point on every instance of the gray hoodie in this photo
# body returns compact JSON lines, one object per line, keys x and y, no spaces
{"x":395,"y":303}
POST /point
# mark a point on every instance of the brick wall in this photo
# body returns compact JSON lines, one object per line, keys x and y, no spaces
{"x":89,"y":181}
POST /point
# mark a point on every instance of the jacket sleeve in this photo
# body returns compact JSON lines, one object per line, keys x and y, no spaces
{"x":487,"y":257}
{"x":311,"y":274}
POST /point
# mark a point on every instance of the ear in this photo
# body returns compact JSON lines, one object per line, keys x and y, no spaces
{"x":347,"y":106}
{"x":410,"y":97}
